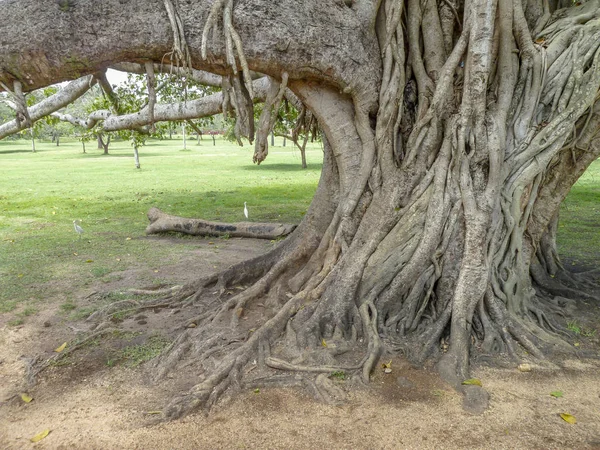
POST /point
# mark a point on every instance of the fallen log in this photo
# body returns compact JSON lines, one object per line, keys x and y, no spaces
{"x":161,"y":222}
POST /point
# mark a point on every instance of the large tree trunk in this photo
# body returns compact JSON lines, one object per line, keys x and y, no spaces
{"x":443,"y":174}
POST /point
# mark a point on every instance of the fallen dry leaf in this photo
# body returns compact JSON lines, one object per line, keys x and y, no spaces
{"x":61,"y":348}
{"x":38,"y":437}
{"x":524,"y":367}
{"x":568,"y":418}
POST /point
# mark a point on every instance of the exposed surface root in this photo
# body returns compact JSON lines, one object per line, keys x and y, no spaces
{"x":34,"y":369}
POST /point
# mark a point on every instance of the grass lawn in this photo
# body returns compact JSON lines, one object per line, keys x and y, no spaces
{"x":579,"y":225}
{"x":42,"y":193}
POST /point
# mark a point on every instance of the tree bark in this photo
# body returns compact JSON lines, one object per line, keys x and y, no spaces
{"x":162,"y":223}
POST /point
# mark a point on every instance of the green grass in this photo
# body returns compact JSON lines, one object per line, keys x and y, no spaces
{"x":134,"y":355}
{"x":579,"y":226}
{"x":42,"y":193}
{"x":576,"y":328}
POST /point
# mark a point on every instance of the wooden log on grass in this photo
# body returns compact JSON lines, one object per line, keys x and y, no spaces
{"x":161,"y":222}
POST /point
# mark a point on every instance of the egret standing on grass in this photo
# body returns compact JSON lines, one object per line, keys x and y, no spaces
{"x":245,"y":210}
{"x":78,"y":229}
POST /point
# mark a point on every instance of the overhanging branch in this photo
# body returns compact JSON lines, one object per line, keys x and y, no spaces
{"x":64,"y":97}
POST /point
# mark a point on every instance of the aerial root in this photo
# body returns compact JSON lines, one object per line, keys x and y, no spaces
{"x":33,"y":371}
{"x":232,"y":39}
{"x":20,"y":103}
{"x":280,"y":364}
{"x":230,"y":367}
{"x":544,"y":321}
{"x":327,"y":391}
{"x":167,"y":291}
{"x":554,"y":287}
{"x":180,"y":47}
{"x":368,"y":313}
{"x":172,"y":355}
{"x":111,"y":309}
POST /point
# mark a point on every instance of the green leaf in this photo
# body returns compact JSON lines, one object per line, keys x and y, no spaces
{"x":556,"y":394}
{"x":26,"y":398}
{"x":472,"y":382}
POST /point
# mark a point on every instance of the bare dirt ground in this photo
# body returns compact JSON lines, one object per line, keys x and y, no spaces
{"x":88,"y":403}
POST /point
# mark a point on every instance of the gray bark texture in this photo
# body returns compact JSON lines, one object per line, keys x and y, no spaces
{"x":163,"y":223}
{"x":452,"y":131}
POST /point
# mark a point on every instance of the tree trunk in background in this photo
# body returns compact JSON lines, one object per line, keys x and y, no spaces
{"x":103,"y":144}
{"x":32,"y":140}
{"x":272,"y":139}
{"x":303,"y":150}
{"x":136,"y":157}
{"x":184,"y":137}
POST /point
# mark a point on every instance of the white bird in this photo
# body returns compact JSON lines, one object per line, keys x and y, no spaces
{"x":245,"y":210}
{"x":78,"y":229}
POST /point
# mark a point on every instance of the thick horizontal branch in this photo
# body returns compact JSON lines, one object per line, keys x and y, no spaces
{"x":162,"y":223}
{"x":199,"y":76}
{"x":65,"y":96}
{"x":345,"y":53}
{"x":192,"y":109}
{"x":89,"y":123}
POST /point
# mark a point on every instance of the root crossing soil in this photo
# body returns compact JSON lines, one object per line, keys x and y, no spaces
{"x":93,"y":402}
